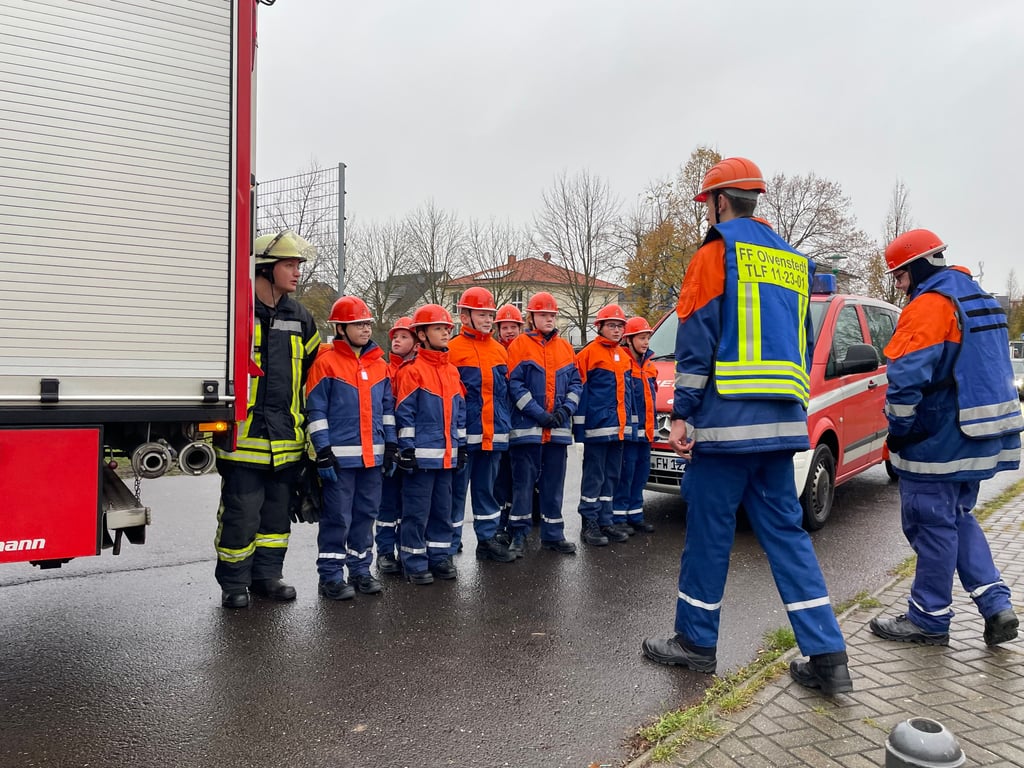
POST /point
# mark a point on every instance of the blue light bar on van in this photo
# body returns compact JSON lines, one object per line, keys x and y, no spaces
{"x":823,"y":284}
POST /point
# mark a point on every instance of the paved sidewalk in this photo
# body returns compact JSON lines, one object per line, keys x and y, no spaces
{"x":974,"y":691}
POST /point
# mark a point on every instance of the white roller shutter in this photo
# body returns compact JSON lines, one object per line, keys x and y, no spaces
{"x":116,"y":205}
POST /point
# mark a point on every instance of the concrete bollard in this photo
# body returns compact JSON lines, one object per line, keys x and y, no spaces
{"x":921,"y":742}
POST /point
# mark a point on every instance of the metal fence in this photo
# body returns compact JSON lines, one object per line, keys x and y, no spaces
{"x":311,"y":204}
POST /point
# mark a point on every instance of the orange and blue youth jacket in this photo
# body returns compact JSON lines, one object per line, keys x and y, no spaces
{"x":483,"y":368}
{"x":542,"y":376}
{"x":605,"y":414}
{"x":744,"y":342}
{"x":643,"y":387}
{"x":951,"y":393}
{"x":431,"y":410}
{"x":394,"y":363}
{"x":350,"y":404}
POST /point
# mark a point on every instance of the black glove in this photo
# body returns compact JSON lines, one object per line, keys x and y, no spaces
{"x":407,"y":460}
{"x":896,"y":443}
{"x":562,"y":416}
{"x":304,"y":505}
{"x":325,"y":464}
{"x":546,"y":420}
{"x":390,"y":458}
{"x":462,"y":459}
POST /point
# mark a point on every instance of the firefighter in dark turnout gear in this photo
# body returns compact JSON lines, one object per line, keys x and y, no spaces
{"x":954,"y":420}
{"x":258,"y":474}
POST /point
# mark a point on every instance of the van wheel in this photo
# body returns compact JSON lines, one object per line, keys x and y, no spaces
{"x":890,"y":471}
{"x":819,"y":492}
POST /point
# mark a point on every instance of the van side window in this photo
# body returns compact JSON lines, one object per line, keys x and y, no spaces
{"x":881,"y":324}
{"x":847,"y":332}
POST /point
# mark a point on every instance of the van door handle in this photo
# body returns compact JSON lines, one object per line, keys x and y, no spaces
{"x":872,"y":384}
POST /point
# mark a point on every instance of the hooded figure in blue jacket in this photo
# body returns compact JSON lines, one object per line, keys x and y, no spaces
{"x":954,"y":420}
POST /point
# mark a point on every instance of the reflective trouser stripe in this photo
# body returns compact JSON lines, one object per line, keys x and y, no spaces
{"x":235,"y":555}
{"x":279,"y":540}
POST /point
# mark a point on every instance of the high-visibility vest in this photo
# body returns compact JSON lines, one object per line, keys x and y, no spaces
{"x":762,"y":352}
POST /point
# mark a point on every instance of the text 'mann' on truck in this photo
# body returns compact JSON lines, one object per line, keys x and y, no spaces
{"x":125,"y":153}
{"x":845,"y":418}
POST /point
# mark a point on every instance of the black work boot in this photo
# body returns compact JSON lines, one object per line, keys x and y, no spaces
{"x":336,"y":590}
{"x":1001,"y":628}
{"x":421,"y":578}
{"x":592,"y":534}
{"x":273,"y":589}
{"x":388,"y":564}
{"x":492,"y":549}
{"x":677,"y":652}
{"x":560,"y":545}
{"x":625,"y":527}
{"x":235,"y":598}
{"x":903,"y":630}
{"x":614,"y":533}
{"x":518,"y":546}
{"x":826,"y":672}
{"x":444,"y":569}
{"x":366,"y":584}
{"x":641,"y":527}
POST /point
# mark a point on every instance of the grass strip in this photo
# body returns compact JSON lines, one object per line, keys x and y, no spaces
{"x":732,"y":693}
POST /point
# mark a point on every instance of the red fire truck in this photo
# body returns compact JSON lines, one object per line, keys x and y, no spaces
{"x":126,"y":211}
{"x":845,"y":420}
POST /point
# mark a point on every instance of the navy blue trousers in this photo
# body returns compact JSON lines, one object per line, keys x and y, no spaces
{"x":602,"y":466}
{"x":389,"y":517}
{"x":426,"y":533}
{"x":628,"y":503}
{"x":716,"y":484}
{"x":345,"y":537}
{"x":478,"y":478}
{"x":939,"y":524}
{"x":541,"y":466}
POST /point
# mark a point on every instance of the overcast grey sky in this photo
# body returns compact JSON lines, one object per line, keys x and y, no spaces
{"x":478,"y":105}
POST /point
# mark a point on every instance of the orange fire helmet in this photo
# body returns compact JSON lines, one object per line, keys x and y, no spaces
{"x":732,"y":173}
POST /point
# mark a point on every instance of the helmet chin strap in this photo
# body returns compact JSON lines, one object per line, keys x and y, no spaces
{"x":268,"y":275}
{"x":344,"y":335}
{"x":428,"y":344}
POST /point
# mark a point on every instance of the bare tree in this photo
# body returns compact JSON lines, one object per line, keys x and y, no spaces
{"x":492,"y":249}
{"x":1015,"y":316}
{"x":579,"y":223}
{"x":437,"y":241}
{"x":814,"y":216}
{"x":379,"y":254}
{"x":689,"y":213}
{"x":665,"y":233}
{"x":897,"y":221}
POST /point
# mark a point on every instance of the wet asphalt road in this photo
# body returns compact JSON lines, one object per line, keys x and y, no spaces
{"x":130,"y":661}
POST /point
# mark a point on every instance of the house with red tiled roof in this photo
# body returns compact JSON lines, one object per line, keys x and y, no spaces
{"x":519,"y":278}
